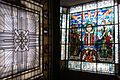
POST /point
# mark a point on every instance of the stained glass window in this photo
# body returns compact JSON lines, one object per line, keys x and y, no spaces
{"x":19,"y":40}
{"x":93,"y":37}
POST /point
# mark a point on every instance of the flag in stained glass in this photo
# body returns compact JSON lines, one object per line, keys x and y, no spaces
{"x":105,"y":16}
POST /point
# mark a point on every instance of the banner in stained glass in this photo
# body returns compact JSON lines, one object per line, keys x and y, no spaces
{"x":105,"y":16}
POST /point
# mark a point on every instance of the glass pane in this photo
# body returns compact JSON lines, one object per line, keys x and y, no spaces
{"x":89,"y":6}
{"x":74,"y":65}
{"x":64,"y":21}
{"x":119,"y":34}
{"x":105,"y":3}
{"x":116,"y":53}
{"x":76,"y":20}
{"x":89,"y":17}
{"x":105,"y":34}
{"x":105,"y":53}
{"x":116,"y":33}
{"x":64,"y":10}
{"x":119,"y":13}
{"x":62,"y":52}
{"x":105,"y":68}
{"x":66,"y":52}
{"x":89,"y":66}
{"x":75,"y":9}
{"x":116,"y":15}
{"x":63,"y":36}
{"x":60,"y":20}
{"x":60,"y":9}
{"x":68,"y":18}
{"x":105,"y":16}
{"x":75,"y":42}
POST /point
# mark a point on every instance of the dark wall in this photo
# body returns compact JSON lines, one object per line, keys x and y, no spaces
{"x":54,"y":39}
{"x":77,"y":75}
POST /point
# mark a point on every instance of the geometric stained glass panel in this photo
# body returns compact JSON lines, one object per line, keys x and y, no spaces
{"x":19,"y":40}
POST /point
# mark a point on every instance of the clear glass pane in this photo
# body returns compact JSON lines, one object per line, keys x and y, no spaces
{"x":105,"y":68}
{"x":89,"y":6}
{"x":75,"y":65}
{"x":62,"y":52}
{"x":105,"y":3}
{"x":75,"y":9}
{"x":86,"y":66}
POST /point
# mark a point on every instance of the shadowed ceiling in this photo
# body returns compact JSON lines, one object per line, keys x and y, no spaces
{"x":68,"y":3}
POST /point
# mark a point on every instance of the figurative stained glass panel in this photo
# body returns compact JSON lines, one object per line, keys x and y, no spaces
{"x":19,"y":48}
{"x":105,"y":3}
{"x":75,"y":9}
{"x":105,"y":68}
{"x":88,"y":49}
{"x":74,"y":37}
{"x":89,"y":6}
{"x":76,"y":65}
{"x":105,"y":43}
{"x":93,"y":36}
{"x":105,"y":16}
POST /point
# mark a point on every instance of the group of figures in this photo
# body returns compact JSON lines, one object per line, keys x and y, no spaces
{"x":92,"y":41}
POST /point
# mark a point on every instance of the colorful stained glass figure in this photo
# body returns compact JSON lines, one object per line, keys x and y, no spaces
{"x":76,"y":19}
{"x":105,"y":34}
{"x":75,"y":40}
{"x":87,"y":66}
{"x":89,"y":6}
{"x":88,"y":50}
{"x":105,"y":3}
{"x":105,"y":16}
{"x":105,"y":68}
{"x":75,"y":9}
{"x":105,"y":53}
{"x":89,"y":16}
